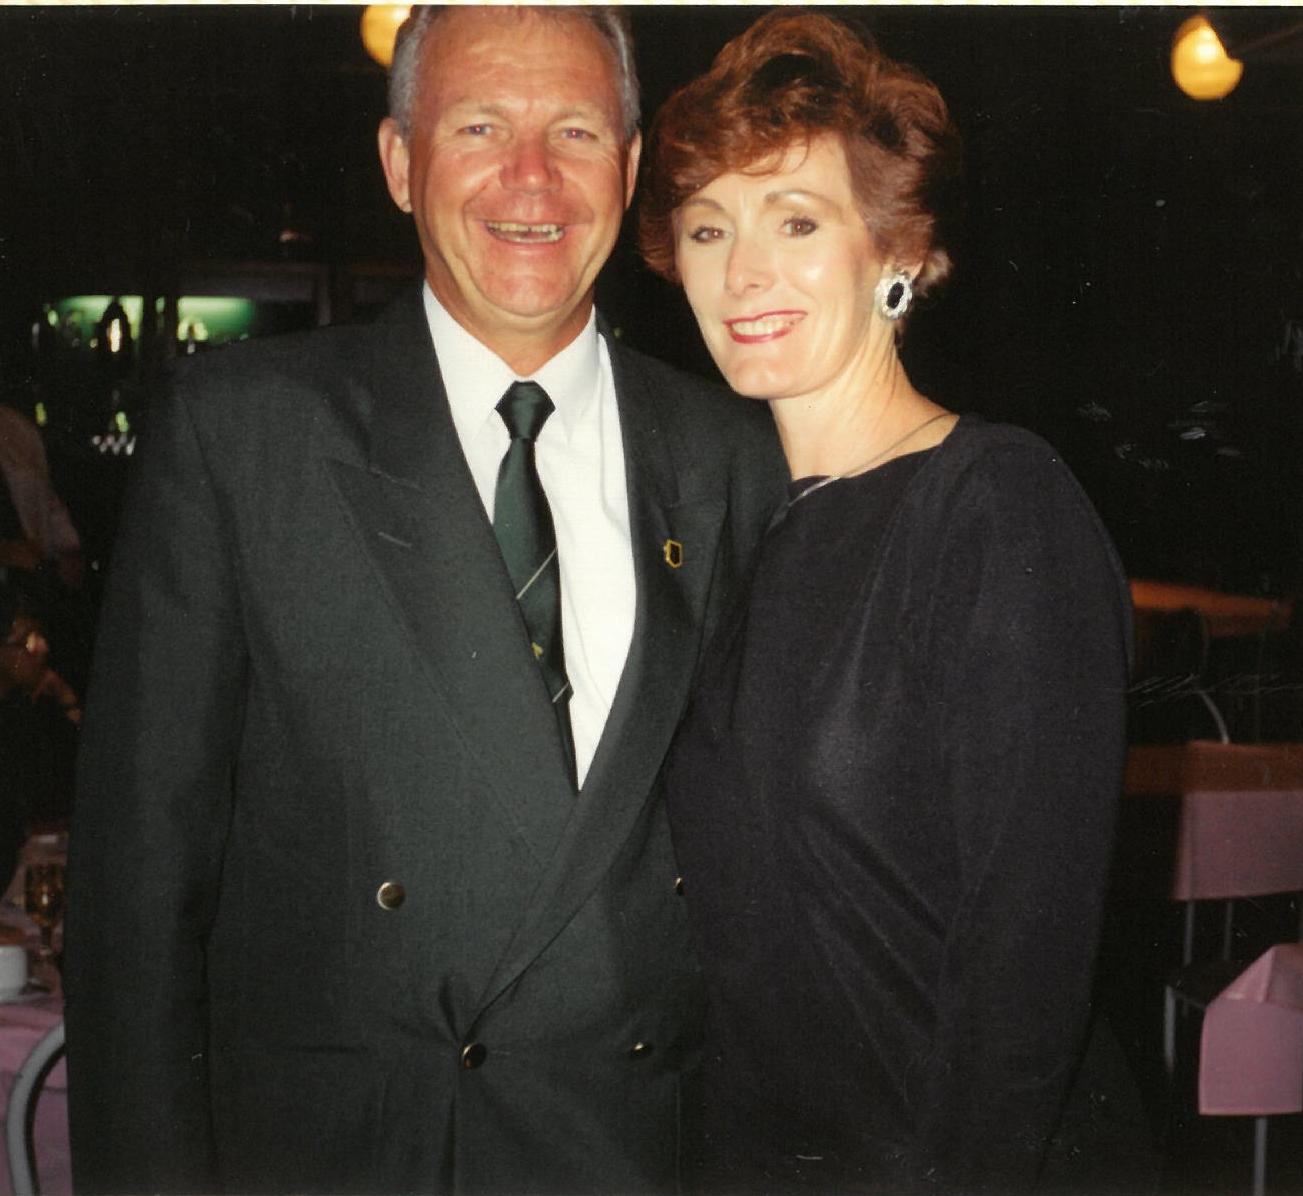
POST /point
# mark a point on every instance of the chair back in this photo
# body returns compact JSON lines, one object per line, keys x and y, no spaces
{"x":1240,"y":822}
{"x":1251,"y":1053}
{"x":21,"y":1112}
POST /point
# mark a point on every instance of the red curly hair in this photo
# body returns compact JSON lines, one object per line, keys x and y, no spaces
{"x":791,"y":77}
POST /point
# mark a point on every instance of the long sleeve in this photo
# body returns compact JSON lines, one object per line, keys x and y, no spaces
{"x":1028,"y":649}
{"x":151,"y":813}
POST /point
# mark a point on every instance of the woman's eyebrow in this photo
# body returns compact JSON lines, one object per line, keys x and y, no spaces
{"x":773,"y":197}
{"x":701,"y":201}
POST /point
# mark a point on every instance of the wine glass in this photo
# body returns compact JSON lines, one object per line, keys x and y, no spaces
{"x":43,"y":892}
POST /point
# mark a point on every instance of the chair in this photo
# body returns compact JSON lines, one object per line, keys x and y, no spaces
{"x":1240,"y":834}
{"x":21,"y":1113}
{"x":1251,"y":1047}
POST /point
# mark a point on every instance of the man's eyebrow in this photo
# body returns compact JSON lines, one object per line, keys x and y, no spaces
{"x":585,"y":108}
{"x":581,"y":109}
{"x":469,"y":104}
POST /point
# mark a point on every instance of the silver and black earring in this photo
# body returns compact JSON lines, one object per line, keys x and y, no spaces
{"x":893,"y":294}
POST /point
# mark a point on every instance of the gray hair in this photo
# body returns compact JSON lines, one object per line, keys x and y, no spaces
{"x":610,"y":22}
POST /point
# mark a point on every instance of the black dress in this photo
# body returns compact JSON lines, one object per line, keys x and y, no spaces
{"x":892,"y":802}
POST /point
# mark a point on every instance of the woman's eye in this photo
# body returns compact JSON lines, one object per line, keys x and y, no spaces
{"x":479,"y":130}
{"x":704,"y":233}
{"x":799,"y":226}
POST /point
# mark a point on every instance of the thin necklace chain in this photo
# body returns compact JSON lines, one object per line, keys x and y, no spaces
{"x":860,"y":468}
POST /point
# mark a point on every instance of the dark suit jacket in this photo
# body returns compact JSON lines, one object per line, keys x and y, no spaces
{"x":312,"y":682}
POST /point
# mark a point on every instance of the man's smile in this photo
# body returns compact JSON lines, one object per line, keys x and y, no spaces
{"x":525,"y":234}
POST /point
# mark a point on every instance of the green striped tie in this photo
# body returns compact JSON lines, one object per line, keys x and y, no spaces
{"x":522,"y":522}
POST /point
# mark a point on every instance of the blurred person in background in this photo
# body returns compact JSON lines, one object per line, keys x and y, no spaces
{"x":39,"y":716}
{"x":36,"y":532}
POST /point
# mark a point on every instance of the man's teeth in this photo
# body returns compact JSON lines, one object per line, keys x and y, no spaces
{"x":531,"y":233}
{"x":764,"y":326}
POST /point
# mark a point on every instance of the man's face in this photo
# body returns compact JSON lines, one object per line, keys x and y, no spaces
{"x":516,"y":172}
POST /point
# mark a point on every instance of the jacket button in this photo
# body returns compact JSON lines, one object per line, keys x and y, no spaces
{"x":473,"y":1055}
{"x":390,"y":895}
{"x":639,"y":1050}
{"x":678,"y":886}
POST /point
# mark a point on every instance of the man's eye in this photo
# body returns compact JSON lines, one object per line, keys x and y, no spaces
{"x":575,"y":133}
{"x":799,"y":226}
{"x":477,"y":130}
{"x":704,"y":233}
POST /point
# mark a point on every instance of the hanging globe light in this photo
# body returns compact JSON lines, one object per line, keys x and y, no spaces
{"x":1200,"y":65}
{"x":380,"y":23}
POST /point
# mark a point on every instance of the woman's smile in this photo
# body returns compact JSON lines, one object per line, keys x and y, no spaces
{"x":750,"y":330}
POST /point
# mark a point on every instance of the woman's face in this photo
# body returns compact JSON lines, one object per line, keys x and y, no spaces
{"x":779,"y":269}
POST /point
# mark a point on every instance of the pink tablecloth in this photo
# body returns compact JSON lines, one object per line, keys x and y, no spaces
{"x":1240,"y":829}
{"x":1251,"y":1058}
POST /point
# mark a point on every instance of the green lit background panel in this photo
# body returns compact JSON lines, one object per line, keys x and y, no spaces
{"x":78,"y":314}
{"x":215,"y":318}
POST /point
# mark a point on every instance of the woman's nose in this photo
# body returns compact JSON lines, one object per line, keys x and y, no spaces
{"x":747,"y":269}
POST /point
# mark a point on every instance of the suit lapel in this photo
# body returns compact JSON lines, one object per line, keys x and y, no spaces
{"x":654,"y":684}
{"x":423,"y":527}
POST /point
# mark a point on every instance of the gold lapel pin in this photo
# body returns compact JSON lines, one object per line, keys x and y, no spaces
{"x":673,"y":553}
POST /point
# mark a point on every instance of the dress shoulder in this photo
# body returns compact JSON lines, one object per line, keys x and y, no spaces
{"x":1012,"y":472}
{"x":976,"y":441}
{"x":1002,"y":522}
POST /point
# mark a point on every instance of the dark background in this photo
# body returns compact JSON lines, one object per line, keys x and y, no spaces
{"x":1130,"y":284}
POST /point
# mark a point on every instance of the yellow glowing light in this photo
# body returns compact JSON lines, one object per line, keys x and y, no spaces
{"x":380,"y":24}
{"x":1200,"y":65}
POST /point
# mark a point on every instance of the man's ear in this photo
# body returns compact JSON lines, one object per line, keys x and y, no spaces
{"x":395,"y":160}
{"x":631,"y":168}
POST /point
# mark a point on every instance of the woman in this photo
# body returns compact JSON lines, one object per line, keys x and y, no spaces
{"x":894,"y":794}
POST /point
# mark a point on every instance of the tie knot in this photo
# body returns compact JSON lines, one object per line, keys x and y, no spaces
{"x":524,"y":409}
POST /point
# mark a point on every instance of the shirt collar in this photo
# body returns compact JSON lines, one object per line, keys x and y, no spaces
{"x":475,"y":377}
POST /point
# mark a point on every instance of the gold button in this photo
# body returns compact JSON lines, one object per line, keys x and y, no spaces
{"x":390,"y":895}
{"x":678,"y":885}
{"x":639,"y":1049}
{"x":473,"y":1055}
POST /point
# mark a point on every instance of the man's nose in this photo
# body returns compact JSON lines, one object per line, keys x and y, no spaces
{"x":530,"y":165}
{"x":748,"y":267}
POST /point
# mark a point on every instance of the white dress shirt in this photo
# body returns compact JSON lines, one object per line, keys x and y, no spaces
{"x":580,"y":459}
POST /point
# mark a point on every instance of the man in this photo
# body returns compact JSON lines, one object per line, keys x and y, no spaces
{"x":356,"y":905}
